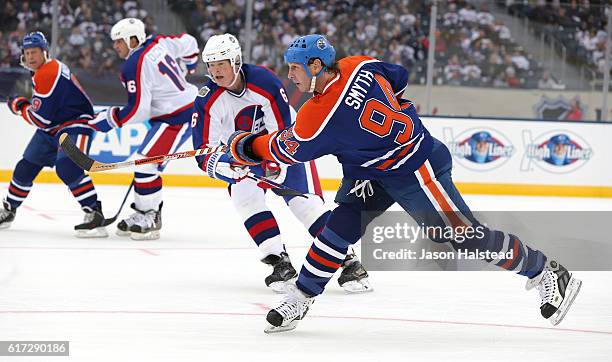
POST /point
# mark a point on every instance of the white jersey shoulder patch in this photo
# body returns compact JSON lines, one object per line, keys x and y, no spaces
{"x":203,"y":91}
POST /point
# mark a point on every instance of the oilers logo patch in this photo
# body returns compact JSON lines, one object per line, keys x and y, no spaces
{"x":203,"y":91}
{"x":321,"y":44}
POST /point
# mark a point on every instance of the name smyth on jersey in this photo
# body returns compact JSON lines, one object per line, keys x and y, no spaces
{"x":357,"y":92}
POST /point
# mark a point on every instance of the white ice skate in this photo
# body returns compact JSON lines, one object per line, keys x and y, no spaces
{"x":292,"y":309}
{"x":7,"y":215}
{"x":141,"y":225}
{"x":354,"y":278}
{"x":558,"y":288}
{"x":147,"y":227}
{"x":123,"y":227}
{"x":92,"y":223}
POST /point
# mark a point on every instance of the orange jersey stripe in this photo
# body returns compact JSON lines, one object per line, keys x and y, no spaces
{"x":439,"y":196}
{"x":391,"y":161}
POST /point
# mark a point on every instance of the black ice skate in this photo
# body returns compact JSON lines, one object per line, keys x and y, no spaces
{"x":282,"y":273}
{"x":292,"y":309}
{"x":146,"y":224}
{"x":7,"y":215}
{"x":354,"y":278}
{"x":92,"y":223}
{"x":558,"y":288}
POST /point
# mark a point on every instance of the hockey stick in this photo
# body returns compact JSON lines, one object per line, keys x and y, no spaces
{"x":279,"y":189}
{"x":92,"y":225}
{"x":89,"y":164}
{"x":111,"y":220}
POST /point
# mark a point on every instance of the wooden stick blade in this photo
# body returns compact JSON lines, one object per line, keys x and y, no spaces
{"x":75,"y":154}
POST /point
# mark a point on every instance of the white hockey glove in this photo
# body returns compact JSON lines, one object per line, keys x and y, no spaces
{"x":220,"y":166}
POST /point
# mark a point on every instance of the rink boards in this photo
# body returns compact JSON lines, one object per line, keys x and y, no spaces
{"x":491,"y":156}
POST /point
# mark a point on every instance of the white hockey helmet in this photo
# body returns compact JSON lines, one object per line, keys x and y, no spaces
{"x":127,"y":28}
{"x":223,"y":47}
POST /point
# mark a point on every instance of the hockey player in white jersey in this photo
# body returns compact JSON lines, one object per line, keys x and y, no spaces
{"x":158,"y":92}
{"x":251,"y":98}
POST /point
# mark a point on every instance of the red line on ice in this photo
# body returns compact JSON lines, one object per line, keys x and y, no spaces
{"x":382,"y":319}
{"x":147,"y":251}
{"x":42,"y":214}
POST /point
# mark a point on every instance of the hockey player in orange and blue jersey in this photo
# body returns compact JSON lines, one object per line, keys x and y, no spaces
{"x":58,"y":105}
{"x":387,"y":156}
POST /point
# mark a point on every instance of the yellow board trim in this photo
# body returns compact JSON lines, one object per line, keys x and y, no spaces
{"x":333,"y":184}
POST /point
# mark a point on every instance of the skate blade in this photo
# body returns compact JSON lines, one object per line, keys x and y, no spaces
{"x":122,"y":233}
{"x":281,"y":287}
{"x":570,"y":294}
{"x":93,"y":233}
{"x":151,"y":235}
{"x":270,"y":329}
{"x":358,"y":286}
{"x":6,"y":225}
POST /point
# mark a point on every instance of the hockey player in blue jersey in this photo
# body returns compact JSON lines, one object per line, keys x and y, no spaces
{"x":157,"y":92}
{"x":58,"y":105}
{"x":251,"y":98}
{"x":387,"y":156}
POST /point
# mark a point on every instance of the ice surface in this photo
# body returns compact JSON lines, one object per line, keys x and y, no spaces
{"x":198,"y":293}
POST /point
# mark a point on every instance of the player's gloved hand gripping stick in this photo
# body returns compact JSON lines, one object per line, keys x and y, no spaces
{"x":88,"y":164}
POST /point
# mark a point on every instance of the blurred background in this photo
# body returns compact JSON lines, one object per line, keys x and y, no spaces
{"x":529,"y":59}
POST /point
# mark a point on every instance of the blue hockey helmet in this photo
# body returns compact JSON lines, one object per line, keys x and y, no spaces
{"x":34,"y":40}
{"x":308,"y":47}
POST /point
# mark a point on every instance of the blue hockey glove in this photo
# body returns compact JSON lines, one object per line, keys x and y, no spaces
{"x":221,"y":166}
{"x":103,"y":122}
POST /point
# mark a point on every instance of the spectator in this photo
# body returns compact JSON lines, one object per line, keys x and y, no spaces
{"x":546,"y":82}
{"x":511,"y":79}
{"x":452,"y":71}
{"x":575,"y":113}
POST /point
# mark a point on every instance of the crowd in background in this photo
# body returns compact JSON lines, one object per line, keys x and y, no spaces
{"x":472,"y":47}
{"x":578,"y":25}
{"x":84,"y":30}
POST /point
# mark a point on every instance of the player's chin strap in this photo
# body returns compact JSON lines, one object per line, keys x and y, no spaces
{"x":236,"y":75}
{"x":23,"y":63}
{"x":313,"y":78}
